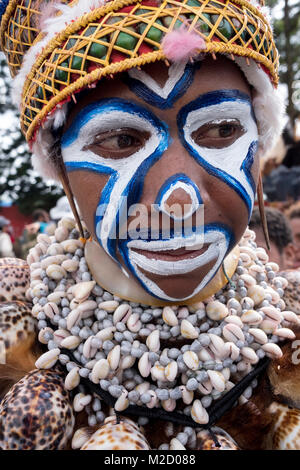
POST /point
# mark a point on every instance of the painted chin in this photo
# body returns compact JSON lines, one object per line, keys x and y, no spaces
{"x":181,"y":286}
{"x":177,"y":269}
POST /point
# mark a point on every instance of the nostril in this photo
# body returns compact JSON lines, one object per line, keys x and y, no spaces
{"x":179,"y":196}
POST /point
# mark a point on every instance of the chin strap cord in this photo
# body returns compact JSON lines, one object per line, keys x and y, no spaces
{"x":232,"y":284}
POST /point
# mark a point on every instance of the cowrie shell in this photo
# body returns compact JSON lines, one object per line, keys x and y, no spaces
{"x":48,"y":359}
{"x":199,"y":413}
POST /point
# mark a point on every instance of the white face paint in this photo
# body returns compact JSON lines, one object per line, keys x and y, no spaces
{"x":217,"y":242}
{"x":126,"y":175}
{"x":231,"y":164}
{"x":105,"y":116}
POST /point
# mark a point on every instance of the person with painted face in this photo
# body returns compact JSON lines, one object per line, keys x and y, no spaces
{"x":156,"y":299}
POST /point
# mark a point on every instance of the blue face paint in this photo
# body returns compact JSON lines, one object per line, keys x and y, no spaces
{"x":181,"y":77}
{"x":126,"y":178}
{"x":231,"y":164}
{"x":193,"y":198}
{"x":126,"y":175}
{"x":218,"y":237}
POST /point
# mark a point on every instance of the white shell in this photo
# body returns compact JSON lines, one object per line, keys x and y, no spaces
{"x":251,"y":317}
{"x":272,"y":350}
{"x":187,"y":395}
{"x":191,"y":360}
{"x":217,"y":380}
{"x":285,"y":333}
{"x":72,"y":379}
{"x":114,"y":357}
{"x":188,"y":330}
{"x":82,"y":290}
{"x":153,"y":342}
{"x":144,"y":365}
{"x":80,"y":437}
{"x":81,"y":401}
{"x":122,"y":313}
{"x":257,"y":294}
{"x":169,"y":316}
{"x":199,"y":413}
{"x":249,"y":355}
{"x":216,"y":310}
{"x":71,"y":342}
{"x":233,"y":333}
{"x":106,"y":333}
{"x":100,"y":370}
{"x":175,"y":444}
{"x":109,"y":305}
{"x":134,"y":323}
{"x":122,"y":402}
{"x":171,"y":370}
{"x":259,"y":335}
{"x":48,"y":359}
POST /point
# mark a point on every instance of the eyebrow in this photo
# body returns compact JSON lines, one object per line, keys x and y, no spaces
{"x":105,"y":106}
{"x":213,"y":98}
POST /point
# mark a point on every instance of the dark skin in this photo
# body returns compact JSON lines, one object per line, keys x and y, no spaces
{"x":221,"y":203}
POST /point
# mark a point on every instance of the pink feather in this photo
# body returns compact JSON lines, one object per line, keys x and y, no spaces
{"x":181,"y":44}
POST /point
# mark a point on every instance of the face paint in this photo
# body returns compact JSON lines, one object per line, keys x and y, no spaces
{"x":183,"y":182}
{"x":180,"y":78}
{"x":231,"y":164}
{"x":127,"y":175}
{"x":216,"y":240}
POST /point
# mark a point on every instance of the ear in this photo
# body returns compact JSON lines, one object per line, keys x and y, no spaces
{"x":289,"y":256}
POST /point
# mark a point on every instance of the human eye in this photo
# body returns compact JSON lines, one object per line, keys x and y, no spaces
{"x":118,"y":143}
{"x":218,"y":134}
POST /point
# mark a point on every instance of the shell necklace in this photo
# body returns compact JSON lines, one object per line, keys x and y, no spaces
{"x":177,"y":359}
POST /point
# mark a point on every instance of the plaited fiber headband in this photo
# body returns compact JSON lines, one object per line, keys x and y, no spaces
{"x":72,"y":46}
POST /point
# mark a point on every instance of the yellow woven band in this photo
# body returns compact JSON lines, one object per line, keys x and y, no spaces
{"x":128,"y":33}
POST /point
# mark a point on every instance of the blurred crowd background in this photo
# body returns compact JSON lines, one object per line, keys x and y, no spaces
{"x":29,"y":205}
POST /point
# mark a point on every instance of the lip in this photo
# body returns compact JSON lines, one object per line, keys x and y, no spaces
{"x":172,"y":255}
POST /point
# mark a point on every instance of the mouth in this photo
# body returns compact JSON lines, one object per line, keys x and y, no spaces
{"x":172,"y":255}
{"x":175,"y":256}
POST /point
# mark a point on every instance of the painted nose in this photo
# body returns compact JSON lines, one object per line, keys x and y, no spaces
{"x":179,"y":197}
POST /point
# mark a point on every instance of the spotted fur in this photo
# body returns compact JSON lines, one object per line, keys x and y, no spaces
{"x":36,"y":414}
{"x":292,"y":291}
{"x":14,"y":279}
{"x":16,"y":323}
{"x":205,"y":440}
{"x":124,"y":435}
{"x":286,"y":429}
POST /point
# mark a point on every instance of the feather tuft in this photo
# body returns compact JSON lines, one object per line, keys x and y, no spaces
{"x":182,"y":45}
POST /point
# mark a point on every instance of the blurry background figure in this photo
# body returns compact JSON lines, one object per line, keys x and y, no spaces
{"x":274,"y":158}
{"x":6,"y":246}
{"x":293,"y":215}
{"x":282,"y":249}
{"x":40,"y":223}
{"x":281,"y":168}
{"x":62,"y":209}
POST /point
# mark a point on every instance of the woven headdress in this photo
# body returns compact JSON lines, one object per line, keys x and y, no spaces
{"x":56,"y":49}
